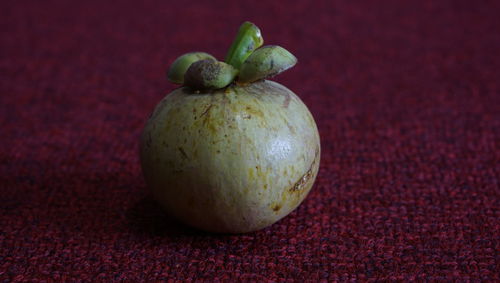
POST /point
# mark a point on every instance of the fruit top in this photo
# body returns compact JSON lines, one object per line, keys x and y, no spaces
{"x":247,"y":61}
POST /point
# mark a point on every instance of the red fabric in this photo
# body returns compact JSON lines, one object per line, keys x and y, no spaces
{"x":406,"y":96}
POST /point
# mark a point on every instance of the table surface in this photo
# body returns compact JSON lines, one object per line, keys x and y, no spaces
{"x":405,"y":95}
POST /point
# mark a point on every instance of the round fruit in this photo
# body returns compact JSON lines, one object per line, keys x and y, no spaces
{"x":231,"y":151}
{"x":231,"y":160}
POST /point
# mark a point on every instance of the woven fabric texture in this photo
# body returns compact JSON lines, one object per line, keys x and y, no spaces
{"x":406,"y":95}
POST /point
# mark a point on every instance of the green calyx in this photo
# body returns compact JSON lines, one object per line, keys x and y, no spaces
{"x":247,"y":40}
{"x":246,"y":61}
{"x":266,"y":62}
{"x":209,"y":74}
{"x":181,"y":65}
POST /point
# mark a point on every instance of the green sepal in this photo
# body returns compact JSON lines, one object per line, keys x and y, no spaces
{"x":180,"y":65}
{"x":247,"y":40}
{"x":266,"y":62}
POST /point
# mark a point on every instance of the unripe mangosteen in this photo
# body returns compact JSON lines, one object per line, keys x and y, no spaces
{"x":233,"y":156}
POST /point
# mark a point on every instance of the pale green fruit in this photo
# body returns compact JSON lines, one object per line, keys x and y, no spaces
{"x":232,"y":160}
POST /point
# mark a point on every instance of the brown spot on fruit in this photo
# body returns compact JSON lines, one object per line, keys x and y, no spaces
{"x":250,"y":173}
{"x":255,"y":112}
{"x":206,"y":117}
{"x":183,"y":153}
{"x":276,"y":207}
{"x":300,"y":184}
{"x":287,"y":100}
{"x":212,"y":128}
{"x":206,"y":110}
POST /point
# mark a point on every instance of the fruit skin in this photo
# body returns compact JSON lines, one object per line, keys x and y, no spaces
{"x":232,"y":160}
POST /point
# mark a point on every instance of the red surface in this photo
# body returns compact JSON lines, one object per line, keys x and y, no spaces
{"x":406,"y":97}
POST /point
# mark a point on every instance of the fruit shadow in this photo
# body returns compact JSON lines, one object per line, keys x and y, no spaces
{"x":147,"y":217}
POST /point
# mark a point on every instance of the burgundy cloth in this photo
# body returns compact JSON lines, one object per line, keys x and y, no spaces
{"x":406,"y":96}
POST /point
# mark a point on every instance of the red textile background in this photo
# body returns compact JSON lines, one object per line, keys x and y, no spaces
{"x":406,"y":96}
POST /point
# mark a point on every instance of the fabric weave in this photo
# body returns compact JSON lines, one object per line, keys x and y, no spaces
{"x":406,"y":96}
